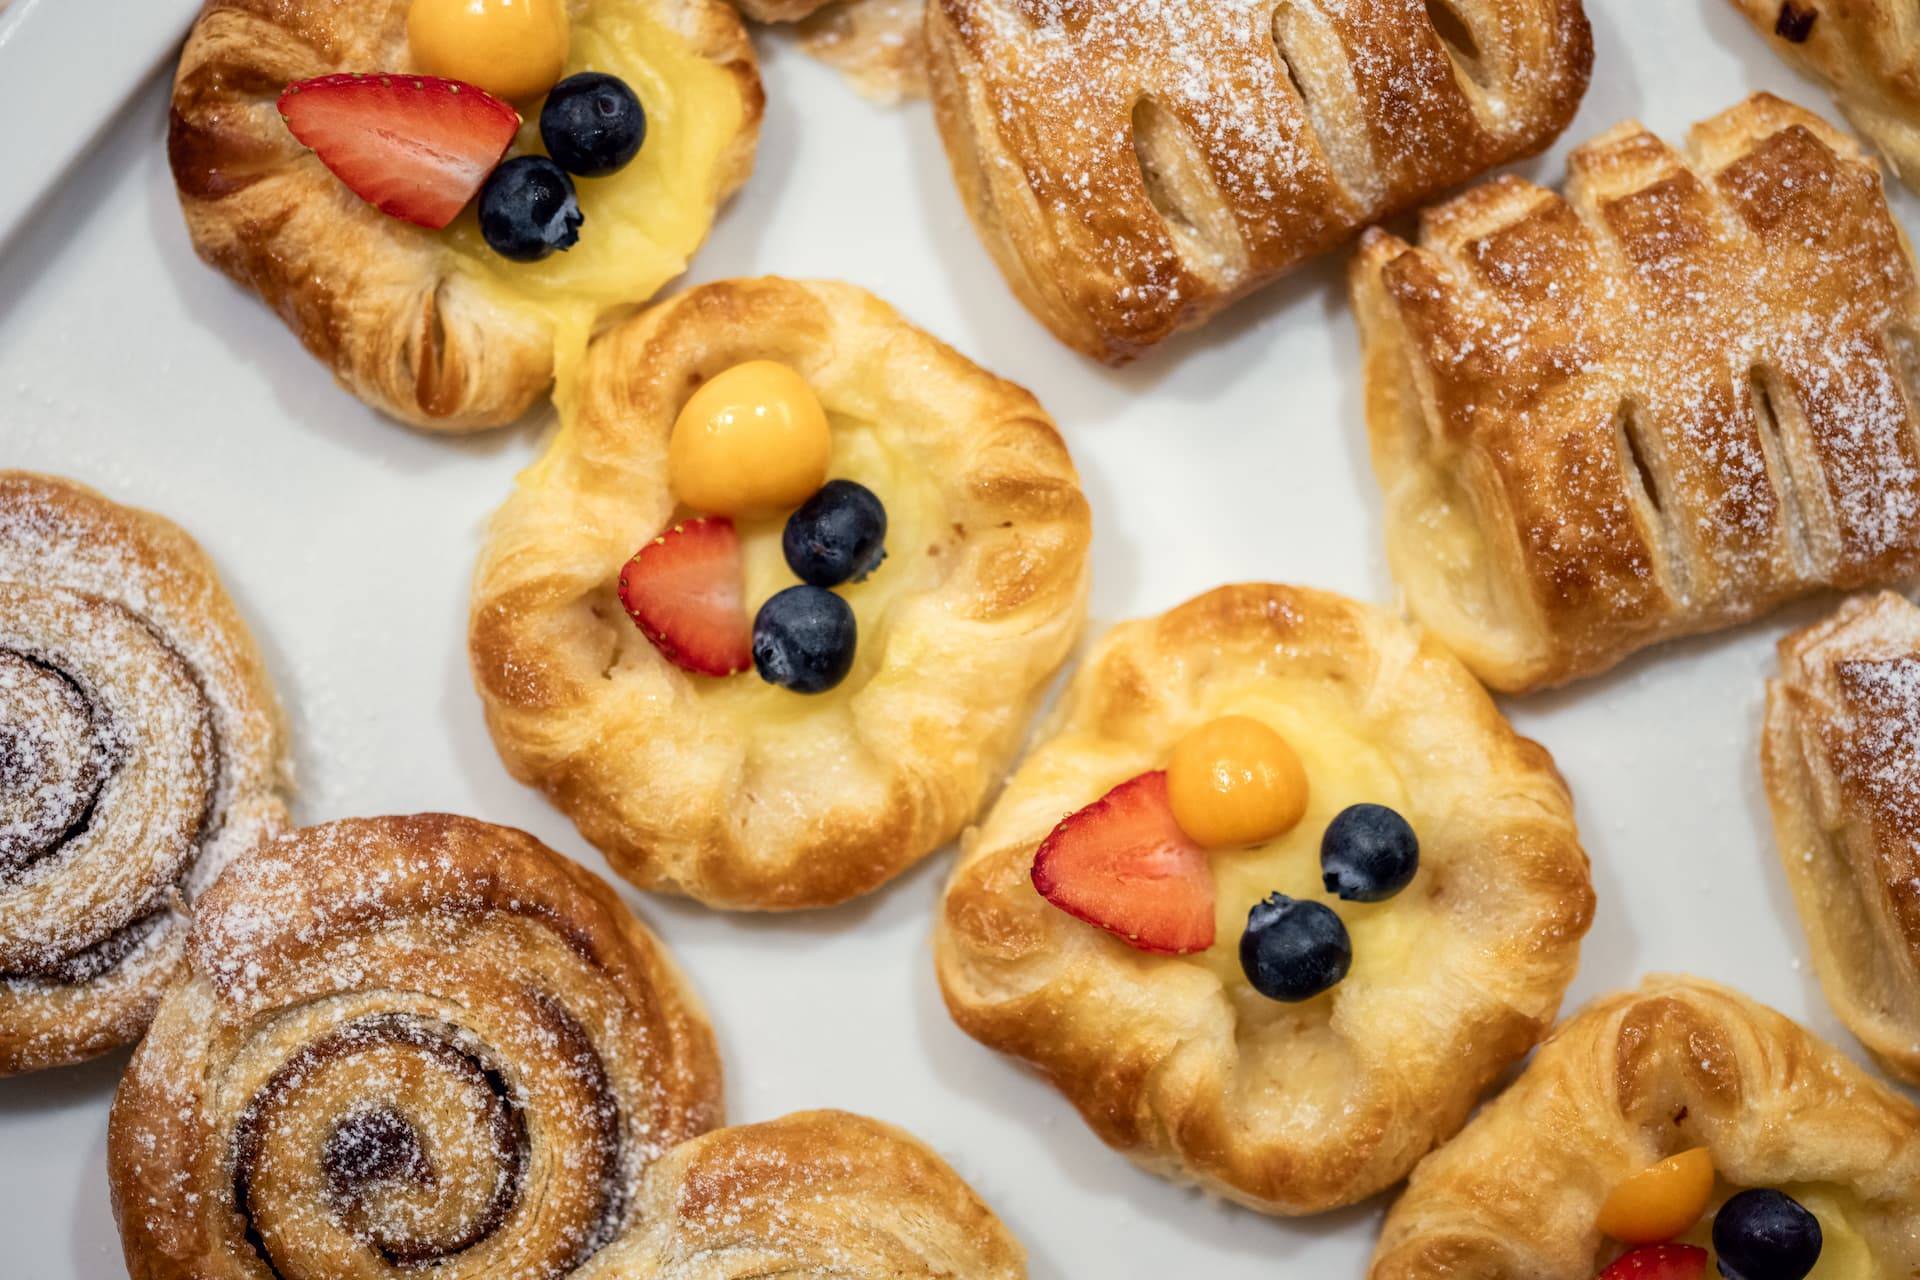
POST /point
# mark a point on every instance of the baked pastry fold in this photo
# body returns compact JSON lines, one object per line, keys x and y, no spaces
{"x":731,"y":791}
{"x":1663,"y":404}
{"x":428,"y":1043}
{"x":140,"y":750}
{"x":1637,"y":1077}
{"x":387,"y":305}
{"x":1842,"y":761}
{"x":1135,"y":165}
{"x":1868,"y":53}
{"x":1178,"y":1062}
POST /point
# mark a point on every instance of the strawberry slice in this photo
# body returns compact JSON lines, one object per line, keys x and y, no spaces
{"x":1659,"y":1262}
{"x":1123,"y":863}
{"x":417,"y":147}
{"x":687,"y":591}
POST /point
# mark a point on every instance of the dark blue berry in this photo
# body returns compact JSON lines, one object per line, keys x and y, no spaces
{"x":838,"y":535}
{"x":803,"y":640}
{"x":592,"y":124}
{"x":1765,"y":1235}
{"x":1368,"y":854}
{"x":528,"y":209}
{"x":1294,"y":950}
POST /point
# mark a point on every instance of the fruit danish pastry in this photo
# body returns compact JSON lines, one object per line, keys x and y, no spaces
{"x":1842,"y":760}
{"x":1135,"y":165}
{"x":1868,"y":53}
{"x":769,"y":617}
{"x":431,"y":1045}
{"x":1671,"y":1133}
{"x":140,"y":750}
{"x":1312,"y":897}
{"x":443,"y":198}
{"x":1661,"y":405}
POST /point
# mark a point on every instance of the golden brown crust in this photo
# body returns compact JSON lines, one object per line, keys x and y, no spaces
{"x":140,"y":750}
{"x":380,"y":301}
{"x":880,"y":46}
{"x":1868,"y":53}
{"x":821,"y":1193}
{"x":421,"y":1038}
{"x":1630,"y":1080}
{"x":1662,"y":405}
{"x":1286,"y":1108}
{"x":1842,"y":761}
{"x":1134,"y":166}
{"x":729,"y":810}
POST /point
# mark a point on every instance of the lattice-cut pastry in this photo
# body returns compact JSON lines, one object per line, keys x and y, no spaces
{"x":1842,"y":757}
{"x":1636,"y":1078}
{"x":1868,"y":53}
{"x":1135,"y":165}
{"x":1661,"y":405}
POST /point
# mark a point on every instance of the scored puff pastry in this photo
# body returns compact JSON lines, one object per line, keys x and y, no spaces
{"x":1842,"y":762}
{"x":141,"y":749}
{"x":1285,"y":1108}
{"x":1633,"y":1079}
{"x":1134,"y":165}
{"x":798,"y":802}
{"x":431,"y":1044}
{"x":380,"y":301}
{"x":1664,"y":404}
{"x":1868,"y":53}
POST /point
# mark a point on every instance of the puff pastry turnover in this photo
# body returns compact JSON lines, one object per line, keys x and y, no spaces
{"x":1640,"y":1076}
{"x":1177,"y":1061}
{"x":733,"y":791}
{"x":1663,"y":404}
{"x":1842,"y":759}
{"x":428,"y":1045}
{"x":429,"y":326}
{"x":1134,"y":165}
{"x":140,"y":750}
{"x":1868,"y":53}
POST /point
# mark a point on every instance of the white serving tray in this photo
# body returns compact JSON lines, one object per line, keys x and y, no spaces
{"x":1235,"y":454}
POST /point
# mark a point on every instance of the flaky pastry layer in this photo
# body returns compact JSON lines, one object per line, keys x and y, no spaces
{"x":743,"y":795}
{"x":1663,"y":404}
{"x":1289,"y":1109}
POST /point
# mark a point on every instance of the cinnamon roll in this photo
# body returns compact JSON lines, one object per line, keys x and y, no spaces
{"x":139,"y":751}
{"x":427,"y":1042}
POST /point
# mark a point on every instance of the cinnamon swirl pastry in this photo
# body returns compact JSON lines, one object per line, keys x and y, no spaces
{"x":139,"y":751}
{"x":431,"y":1043}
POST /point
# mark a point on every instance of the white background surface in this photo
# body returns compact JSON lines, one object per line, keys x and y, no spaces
{"x":1236,"y":454}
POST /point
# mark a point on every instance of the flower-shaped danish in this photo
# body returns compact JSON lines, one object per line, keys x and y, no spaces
{"x":1179,"y":1061}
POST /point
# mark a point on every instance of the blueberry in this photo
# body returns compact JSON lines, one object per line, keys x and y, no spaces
{"x":803,"y":640}
{"x":528,"y":209}
{"x":592,"y":124}
{"x":1765,"y":1235}
{"x":838,"y":535}
{"x":1294,"y":950}
{"x":1368,"y":854}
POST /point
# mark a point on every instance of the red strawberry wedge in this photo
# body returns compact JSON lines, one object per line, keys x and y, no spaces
{"x":1659,"y":1262}
{"x":687,"y":591}
{"x":417,"y":147}
{"x":1123,"y":863}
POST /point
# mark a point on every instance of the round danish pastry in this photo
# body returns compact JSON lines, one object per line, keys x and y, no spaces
{"x":816,"y":751}
{"x":140,"y":749}
{"x":1636,"y":1085}
{"x":419,"y":312}
{"x":405,"y":1042}
{"x":431,"y":1044}
{"x":1312,"y":897}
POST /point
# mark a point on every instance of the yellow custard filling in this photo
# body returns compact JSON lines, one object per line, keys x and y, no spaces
{"x":642,"y":224}
{"x":1343,"y":768}
{"x":918,"y":533}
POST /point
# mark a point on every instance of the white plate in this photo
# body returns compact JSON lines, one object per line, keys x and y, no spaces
{"x":1233,"y":455}
{"x":66,"y":67}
